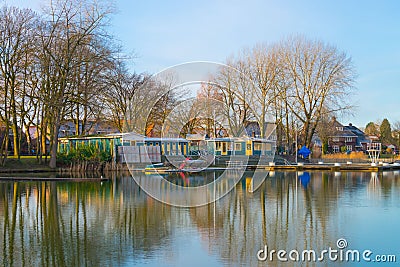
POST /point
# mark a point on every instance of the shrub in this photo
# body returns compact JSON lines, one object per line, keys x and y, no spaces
{"x":352,"y":155}
{"x":88,"y":153}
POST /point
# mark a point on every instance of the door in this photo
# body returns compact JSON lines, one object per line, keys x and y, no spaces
{"x":249,"y":148}
{"x":224,"y":149}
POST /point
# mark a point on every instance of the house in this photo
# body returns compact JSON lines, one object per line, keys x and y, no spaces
{"x":347,"y":136}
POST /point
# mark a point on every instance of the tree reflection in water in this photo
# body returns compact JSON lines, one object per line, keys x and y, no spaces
{"x":116,"y":223}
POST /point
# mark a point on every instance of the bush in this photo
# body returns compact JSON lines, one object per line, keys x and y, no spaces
{"x":352,"y":155}
{"x":88,"y":153}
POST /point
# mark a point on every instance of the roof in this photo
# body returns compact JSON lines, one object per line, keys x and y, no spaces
{"x":131,"y":136}
{"x":165,"y":139}
{"x":196,"y":137}
{"x":87,"y":137}
{"x":238,"y":139}
{"x":350,"y":131}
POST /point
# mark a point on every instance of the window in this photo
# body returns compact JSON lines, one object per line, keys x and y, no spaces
{"x":349,"y":139}
{"x":349,"y":148}
{"x":133,"y":143}
{"x":238,"y":146}
{"x":335,"y":139}
{"x":339,"y":128}
{"x":217,"y":145}
{"x":268,"y":146}
{"x":335,"y":149}
{"x":248,"y":146}
{"x":257,"y":146}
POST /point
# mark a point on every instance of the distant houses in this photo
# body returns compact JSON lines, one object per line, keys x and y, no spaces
{"x":347,"y":138}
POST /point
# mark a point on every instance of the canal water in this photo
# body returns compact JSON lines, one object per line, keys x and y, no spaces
{"x":115,"y":223}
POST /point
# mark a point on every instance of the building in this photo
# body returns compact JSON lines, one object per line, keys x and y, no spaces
{"x":346,"y":137}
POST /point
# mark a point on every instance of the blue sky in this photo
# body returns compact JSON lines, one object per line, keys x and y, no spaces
{"x":165,"y":33}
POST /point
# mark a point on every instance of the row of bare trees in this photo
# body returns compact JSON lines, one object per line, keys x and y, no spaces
{"x":62,"y":65}
{"x":297,"y":83}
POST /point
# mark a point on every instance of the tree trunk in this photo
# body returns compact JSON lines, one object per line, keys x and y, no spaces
{"x":54,"y":145}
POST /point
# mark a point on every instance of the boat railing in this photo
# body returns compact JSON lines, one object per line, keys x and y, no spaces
{"x":234,"y":164}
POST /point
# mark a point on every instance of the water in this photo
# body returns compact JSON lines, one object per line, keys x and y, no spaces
{"x":116,"y":224}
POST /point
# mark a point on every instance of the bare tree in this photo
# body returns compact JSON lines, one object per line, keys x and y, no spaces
{"x":163,"y":93}
{"x":183,"y":119}
{"x":262,"y":70}
{"x":16,"y":31}
{"x":212,"y":108}
{"x":396,"y":132}
{"x":372,"y":129}
{"x":88,"y":85}
{"x":128,"y":97}
{"x":250,"y":88}
{"x":70,"y":26}
{"x":320,"y":79}
{"x":232,"y":86}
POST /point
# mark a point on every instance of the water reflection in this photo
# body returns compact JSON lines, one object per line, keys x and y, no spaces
{"x":116,"y":223}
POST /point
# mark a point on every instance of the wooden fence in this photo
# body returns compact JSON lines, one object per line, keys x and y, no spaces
{"x":139,"y":154}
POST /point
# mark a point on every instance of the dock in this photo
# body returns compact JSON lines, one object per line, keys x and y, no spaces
{"x":334,"y":167}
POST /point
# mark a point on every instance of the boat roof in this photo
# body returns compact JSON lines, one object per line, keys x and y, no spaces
{"x":165,"y":139}
{"x":236,"y":139}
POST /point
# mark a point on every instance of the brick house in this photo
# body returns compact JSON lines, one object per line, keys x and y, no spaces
{"x":348,"y":136}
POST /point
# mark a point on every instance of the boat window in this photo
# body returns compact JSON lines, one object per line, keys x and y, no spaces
{"x":257,"y":146}
{"x":238,"y":146}
{"x":218,"y":145}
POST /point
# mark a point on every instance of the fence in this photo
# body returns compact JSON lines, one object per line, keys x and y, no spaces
{"x":139,"y":154}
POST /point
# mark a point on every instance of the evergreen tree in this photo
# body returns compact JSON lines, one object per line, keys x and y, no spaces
{"x":386,"y":132}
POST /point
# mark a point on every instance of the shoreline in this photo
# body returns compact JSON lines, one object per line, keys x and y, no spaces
{"x":54,"y":179}
{"x":334,"y":167}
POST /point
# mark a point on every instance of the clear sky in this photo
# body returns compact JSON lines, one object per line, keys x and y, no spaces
{"x":165,"y":33}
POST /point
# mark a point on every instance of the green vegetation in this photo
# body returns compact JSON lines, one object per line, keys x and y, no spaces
{"x":84,"y":153}
{"x":386,"y":132}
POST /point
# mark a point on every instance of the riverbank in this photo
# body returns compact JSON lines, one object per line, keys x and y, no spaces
{"x":25,"y":164}
{"x":31,"y":165}
{"x":53,"y":179}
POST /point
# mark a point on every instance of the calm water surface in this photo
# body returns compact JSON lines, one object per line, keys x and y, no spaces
{"x":116,"y":224}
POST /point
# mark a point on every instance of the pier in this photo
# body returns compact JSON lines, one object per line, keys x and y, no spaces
{"x":334,"y":167}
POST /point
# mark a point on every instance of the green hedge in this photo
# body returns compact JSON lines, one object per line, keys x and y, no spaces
{"x":83,"y":153}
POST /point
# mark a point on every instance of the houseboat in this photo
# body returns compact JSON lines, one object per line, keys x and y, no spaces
{"x":135,"y":148}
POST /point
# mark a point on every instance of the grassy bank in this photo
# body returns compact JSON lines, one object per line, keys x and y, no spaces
{"x":25,"y":164}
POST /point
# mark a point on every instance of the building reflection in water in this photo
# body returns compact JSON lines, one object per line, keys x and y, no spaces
{"x":115,"y":223}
